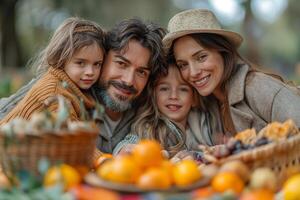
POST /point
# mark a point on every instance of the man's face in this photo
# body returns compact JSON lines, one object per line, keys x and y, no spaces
{"x":124,"y":76}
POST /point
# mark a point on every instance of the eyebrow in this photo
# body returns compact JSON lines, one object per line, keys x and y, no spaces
{"x":197,"y":52}
{"x":123,"y":58}
{"x":82,"y":59}
{"x":128,"y":61}
{"x":193,"y":55}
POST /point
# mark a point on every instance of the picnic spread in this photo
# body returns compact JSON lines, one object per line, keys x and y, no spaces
{"x":46,"y":157}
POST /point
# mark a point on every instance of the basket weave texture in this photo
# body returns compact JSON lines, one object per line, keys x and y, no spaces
{"x":283,"y":157}
{"x":75,"y":149}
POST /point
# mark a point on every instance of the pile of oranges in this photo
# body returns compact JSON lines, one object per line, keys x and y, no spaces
{"x":146,"y":168}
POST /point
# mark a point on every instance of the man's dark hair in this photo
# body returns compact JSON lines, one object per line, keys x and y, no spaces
{"x":149,"y":35}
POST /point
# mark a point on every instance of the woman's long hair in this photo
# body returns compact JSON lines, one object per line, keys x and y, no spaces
{"x":231,"y":59}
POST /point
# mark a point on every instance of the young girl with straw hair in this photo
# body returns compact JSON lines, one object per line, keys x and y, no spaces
{"x":68,"y":66}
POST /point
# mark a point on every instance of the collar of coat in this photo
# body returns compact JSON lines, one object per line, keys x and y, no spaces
{"x":236,"y":85}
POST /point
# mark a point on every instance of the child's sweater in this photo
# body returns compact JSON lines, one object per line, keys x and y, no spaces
{"x":50,"y":85}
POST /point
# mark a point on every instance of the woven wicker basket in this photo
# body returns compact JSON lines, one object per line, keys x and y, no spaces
{"x":75,"y":149}
{"x":283,"y":157}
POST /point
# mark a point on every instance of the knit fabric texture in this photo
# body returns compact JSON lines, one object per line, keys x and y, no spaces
{"x":55,"y":82}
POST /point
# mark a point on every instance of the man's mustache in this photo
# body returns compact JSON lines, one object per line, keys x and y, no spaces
{"x":123,"y":86}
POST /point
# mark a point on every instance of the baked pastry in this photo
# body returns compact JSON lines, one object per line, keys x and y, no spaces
{"x":276,"y":130}
{"x":247,"y":136}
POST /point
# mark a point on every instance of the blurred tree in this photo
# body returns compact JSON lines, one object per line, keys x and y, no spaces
{"x":31,"y":22}
{"x":252,"y":51}
{"x":10,"y":46}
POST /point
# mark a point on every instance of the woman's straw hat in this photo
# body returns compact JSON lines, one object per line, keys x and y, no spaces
{"x":197,"y":21}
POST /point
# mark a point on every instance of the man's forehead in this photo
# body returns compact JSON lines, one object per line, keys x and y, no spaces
{"x":134,"y":52}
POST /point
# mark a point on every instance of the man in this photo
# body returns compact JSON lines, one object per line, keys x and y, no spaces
{"x":134,"y":55}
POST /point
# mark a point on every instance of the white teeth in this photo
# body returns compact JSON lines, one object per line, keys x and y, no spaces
{"x":201,"y":81}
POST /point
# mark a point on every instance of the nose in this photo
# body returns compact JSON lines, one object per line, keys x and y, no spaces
{"x":89,"y":70}
{"x":195,"y":70}
{"x":173,"y":93}
{"x":128,"y":77}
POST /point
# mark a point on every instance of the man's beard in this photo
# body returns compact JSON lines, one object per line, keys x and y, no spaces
{"x":118,"y":104}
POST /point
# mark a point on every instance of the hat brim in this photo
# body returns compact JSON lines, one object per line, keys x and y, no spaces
{"x":233,"y":37}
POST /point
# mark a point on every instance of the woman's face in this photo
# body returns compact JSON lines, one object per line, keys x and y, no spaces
{"x":174,"y":97}
{"x":203,"y":68}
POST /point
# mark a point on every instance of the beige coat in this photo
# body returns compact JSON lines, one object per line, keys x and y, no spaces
{"x":256,"y":99}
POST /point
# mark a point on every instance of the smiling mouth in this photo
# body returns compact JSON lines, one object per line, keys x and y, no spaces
{"x":87,"y":81}
{"x":202,"y":81}
{"x":124,"y":89}
{"x":124,"y":92}
{"x":173,"y":107}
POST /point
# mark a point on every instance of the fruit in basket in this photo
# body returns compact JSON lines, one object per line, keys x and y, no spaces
{"x":155,"y":178}
{"x":168,"y":167}
{"x":64,"y":174}
{"x":121,"y":169}
{"x":209,"y":170}
{"x":291,"y":188}
{"x":263,"y":178}
{"x":103,"y":157}
{"x":221,"y":151}
{"x":104,"y":171}
{"x":238,"y":167}
{"x":147,"y":153}
{"x":186,"y":172}
{"x":276,"y":130}
{"x":246,"y":136}
{"x":224,"y":181}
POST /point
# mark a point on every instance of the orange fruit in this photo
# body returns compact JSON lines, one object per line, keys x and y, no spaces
{"x":147,"y":153}
{"x":104,"y":171}
{"x":186,"y":172}
{"x":224,"y":181}
{"x":203,"y":192}
{"x":168,"y":167}
{"x":103,"y":157}
{"x":64,"y":174}
{"x":121,"y":169}
{"x":84,"y":192}
{"x":154,"y":178}
{"x":260,"y":194}
{"x":291,"y":188}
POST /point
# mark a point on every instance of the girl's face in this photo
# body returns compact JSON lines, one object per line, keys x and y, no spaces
{"x":84,"y":66}
{"x":203,"y":68}
{"x":174,"y":97}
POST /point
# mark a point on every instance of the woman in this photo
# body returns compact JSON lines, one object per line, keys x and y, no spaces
{"x":235,"y":94}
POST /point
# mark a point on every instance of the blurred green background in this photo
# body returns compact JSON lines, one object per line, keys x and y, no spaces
{"x":270,"y":28}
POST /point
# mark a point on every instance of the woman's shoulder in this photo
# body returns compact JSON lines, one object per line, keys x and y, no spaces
{"x":263,"y":89}
{"x":263,"y":84}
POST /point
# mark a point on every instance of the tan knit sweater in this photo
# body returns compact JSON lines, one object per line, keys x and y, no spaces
{"x":48,"y":86}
